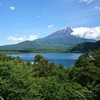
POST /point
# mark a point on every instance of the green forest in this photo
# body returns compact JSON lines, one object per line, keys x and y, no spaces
{"x":43,"y":80}
{"x":35,"y":47}
{"x":85,"y":47}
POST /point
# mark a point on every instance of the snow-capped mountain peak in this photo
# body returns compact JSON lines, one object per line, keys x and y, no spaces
{"x":65,"y":31}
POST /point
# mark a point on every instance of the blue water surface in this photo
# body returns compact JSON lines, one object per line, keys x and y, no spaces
{"x":66,"y":59}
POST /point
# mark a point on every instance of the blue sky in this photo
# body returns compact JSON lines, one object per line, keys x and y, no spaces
{"x":22,"y":20}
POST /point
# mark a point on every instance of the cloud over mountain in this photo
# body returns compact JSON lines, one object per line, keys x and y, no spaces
{"x":85,"y":32}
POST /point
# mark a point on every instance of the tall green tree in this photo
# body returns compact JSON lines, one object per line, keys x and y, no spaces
{"x":42,"y":67}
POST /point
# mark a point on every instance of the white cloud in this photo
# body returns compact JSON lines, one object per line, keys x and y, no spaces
{"x":87,"y":1}
{"x":85,"y":32}
{"x":32,"y":37}
{"x":22,"y":38}
{"x":50,"y":26}
{"x":97,"y":7}
{"x":12,"y":7}
{"x":17,"y":39}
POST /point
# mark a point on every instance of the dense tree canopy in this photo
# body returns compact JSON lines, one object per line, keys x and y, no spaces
{"x":87,"y":72}
{"x":43,"y":80}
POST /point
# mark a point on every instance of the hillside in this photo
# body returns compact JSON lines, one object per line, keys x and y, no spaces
{"x":85,"y":47}
{"x":33,"y":47}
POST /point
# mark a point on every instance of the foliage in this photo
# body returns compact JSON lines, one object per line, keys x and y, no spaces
{"x":1,"y":98}
{"x":43,"y":80}
{"x":42,"y":67}
{"x":53,"y":90}
{"x":87,"y":73}
{"x":15,"y":78}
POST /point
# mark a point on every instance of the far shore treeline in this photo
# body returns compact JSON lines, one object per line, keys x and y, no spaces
{"x":28,"y":47}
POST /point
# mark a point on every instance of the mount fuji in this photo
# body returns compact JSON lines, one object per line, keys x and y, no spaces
{"x":58,"y":41}
{"x":63,"y":36}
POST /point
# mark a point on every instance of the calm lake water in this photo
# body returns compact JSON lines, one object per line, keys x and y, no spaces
{"x":66,"y":59}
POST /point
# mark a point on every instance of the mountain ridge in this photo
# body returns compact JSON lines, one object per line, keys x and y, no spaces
{"x":63,"y":36}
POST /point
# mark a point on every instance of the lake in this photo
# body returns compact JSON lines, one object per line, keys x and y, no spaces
{"x":66,"y":59}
